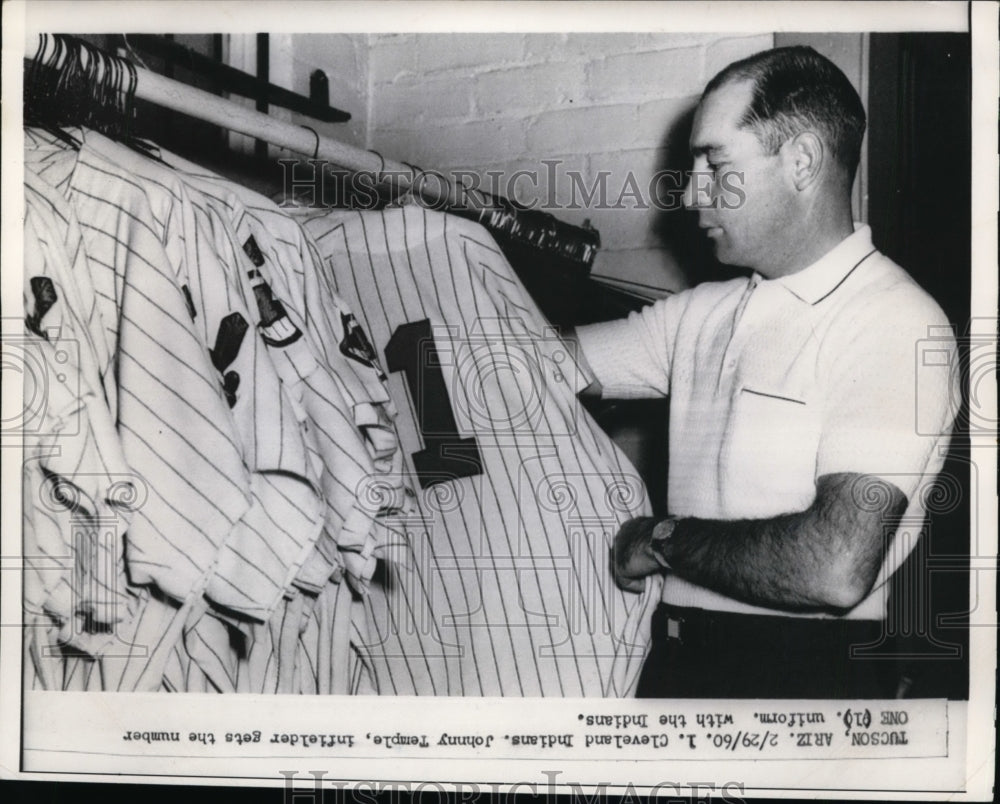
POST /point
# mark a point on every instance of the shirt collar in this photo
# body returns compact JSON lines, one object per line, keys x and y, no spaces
{"x":817,"y":281}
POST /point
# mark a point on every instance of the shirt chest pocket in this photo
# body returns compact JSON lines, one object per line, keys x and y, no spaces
{"x":769,"y":454}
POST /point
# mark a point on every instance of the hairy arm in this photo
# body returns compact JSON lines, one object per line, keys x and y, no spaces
{"x":824,"y":558}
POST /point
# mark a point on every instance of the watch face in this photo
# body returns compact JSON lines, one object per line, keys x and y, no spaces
{"x":660,"y":537}
{"x":663,"y":529}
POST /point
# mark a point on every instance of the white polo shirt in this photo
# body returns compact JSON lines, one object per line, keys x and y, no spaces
{"x":775,"y":383}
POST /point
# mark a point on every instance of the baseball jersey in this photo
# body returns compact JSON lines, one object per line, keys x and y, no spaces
{"x":269,"y":544}
{"x":333,"y":372}
{"x":280,"y":252}
{"x":501,"y":585}
{"x":247,"y":566}
{"x":293,"y":651}
{"x":75,"y":475}
{"x":172,"y":415}
{"x":80,"y":493}
{"x":304,"y":645}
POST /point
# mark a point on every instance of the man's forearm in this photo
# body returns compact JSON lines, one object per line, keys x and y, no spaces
{"x":826,"y":557}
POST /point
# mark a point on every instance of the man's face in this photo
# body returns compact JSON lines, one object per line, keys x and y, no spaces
{"x":740,"y":193}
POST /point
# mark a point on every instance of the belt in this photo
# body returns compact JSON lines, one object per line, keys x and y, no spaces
{"x":702,"y":628}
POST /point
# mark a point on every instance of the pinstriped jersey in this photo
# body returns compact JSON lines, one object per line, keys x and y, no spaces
{"x":287,"y":653}
{"x":335,"y":375}
{"x":255,"y":561}
{"x":80,"y":497}
{"x":338,"y":373}
{"x":75,"y":475}
{"x":273,"y":539}
{"x":502,"y":585}
{"x":305,"y":646}
{"x":171,"y":412}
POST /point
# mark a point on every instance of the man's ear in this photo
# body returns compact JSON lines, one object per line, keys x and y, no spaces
{"x":804,"y":155}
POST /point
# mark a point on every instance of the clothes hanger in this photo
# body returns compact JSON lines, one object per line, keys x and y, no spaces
{"x":44,"y":87}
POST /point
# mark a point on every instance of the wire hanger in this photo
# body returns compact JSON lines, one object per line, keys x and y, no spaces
{"x":73,"y":83}
{"x":43,"y":83}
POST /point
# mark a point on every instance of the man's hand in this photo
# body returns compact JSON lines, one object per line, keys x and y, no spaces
{"x":632,"y":556}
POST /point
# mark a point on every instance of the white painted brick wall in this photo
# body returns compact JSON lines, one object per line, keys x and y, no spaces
{"x":672,"y":73}
{"x":580,"y":129}
{"x":528,"y":88}
{"x":597,"y":102}
{"x":465,"y":51}
{"x":345,"y":60}
{"x":655,"y":118}
{"x":404,"y":104}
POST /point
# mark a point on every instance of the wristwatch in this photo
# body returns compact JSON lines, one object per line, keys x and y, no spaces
{"x":660,"y":535}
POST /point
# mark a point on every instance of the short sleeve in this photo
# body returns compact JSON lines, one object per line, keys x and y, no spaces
{"x":631,"y":357}
{"x":883,"y":413}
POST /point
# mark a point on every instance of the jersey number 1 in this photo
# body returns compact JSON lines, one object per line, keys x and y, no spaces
{"x":446,"y":455}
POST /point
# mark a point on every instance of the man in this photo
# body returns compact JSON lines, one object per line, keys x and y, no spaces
{"x":794,"y":455}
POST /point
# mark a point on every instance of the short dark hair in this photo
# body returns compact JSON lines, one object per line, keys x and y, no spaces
{"x":795,"y":89}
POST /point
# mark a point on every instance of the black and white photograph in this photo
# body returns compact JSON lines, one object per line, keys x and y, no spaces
{"x":488,"y":394}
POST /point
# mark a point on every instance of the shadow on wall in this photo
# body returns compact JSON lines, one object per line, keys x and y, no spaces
{"x":675,"y":228}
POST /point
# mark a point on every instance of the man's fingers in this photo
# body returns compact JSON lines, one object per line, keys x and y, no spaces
{"x":630,"y":561}
{"x":636,"y":585}
{"x":622,"y":580}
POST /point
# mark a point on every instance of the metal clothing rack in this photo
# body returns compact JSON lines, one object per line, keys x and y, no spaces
{"x":573,"y":245}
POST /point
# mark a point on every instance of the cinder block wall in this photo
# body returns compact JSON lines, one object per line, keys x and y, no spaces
{"x":584,"y":103}
{"x":345,"y":60}
{"x":543,"y":118}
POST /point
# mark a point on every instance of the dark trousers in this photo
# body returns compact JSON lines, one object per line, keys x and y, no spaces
{"x":705,"y":654}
